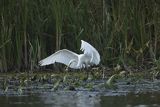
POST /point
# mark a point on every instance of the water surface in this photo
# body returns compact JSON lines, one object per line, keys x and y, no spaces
{"x":81,"y":99}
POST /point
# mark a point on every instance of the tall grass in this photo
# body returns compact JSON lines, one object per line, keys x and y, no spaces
{"x":123,"y":31}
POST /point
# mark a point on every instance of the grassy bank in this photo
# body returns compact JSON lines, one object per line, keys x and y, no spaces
{"x":125,"y":32}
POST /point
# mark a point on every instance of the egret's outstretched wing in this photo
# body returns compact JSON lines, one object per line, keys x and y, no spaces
{"x":91,"y":51}
{"x":64,"y":56}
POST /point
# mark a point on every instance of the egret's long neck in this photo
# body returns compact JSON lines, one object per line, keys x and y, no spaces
{"x":70,"y":62}
{"x":79,"y":64}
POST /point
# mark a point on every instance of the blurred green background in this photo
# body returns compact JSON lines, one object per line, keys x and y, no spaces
{"x":125,"y":32}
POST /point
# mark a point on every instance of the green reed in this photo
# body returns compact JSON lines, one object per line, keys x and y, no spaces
{"x":123,"y":31}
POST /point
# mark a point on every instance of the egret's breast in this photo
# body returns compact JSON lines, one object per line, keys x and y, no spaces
{"x":85,"y":58}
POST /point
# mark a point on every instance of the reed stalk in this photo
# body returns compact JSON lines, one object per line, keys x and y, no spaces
{"x":123,"y":31}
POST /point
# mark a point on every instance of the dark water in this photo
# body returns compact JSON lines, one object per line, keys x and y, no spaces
{"x":132,"y":100}
{"x":81,"y":99}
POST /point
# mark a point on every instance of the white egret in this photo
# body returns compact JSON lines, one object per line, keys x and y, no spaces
{"x":74,"y":60}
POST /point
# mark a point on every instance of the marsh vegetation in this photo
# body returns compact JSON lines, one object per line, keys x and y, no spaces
{"x":125,"y":32}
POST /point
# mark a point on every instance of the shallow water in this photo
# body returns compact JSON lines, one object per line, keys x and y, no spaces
{"x":81,"y":99}
{"x":21,"y":90}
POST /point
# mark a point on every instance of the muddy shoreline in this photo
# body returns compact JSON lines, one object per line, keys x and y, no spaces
{"x":110,"y":85}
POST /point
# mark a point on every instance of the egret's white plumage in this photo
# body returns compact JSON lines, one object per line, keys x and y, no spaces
{"x":90,"y":51}
{"x":74,"y":60}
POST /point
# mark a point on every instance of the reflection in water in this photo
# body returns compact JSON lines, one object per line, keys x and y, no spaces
{"x":132,"y":100}
{"x":61,"y":99}
{"x":81,"y":99}
{"x":21,"y":101}
{"x":72,"y":99}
